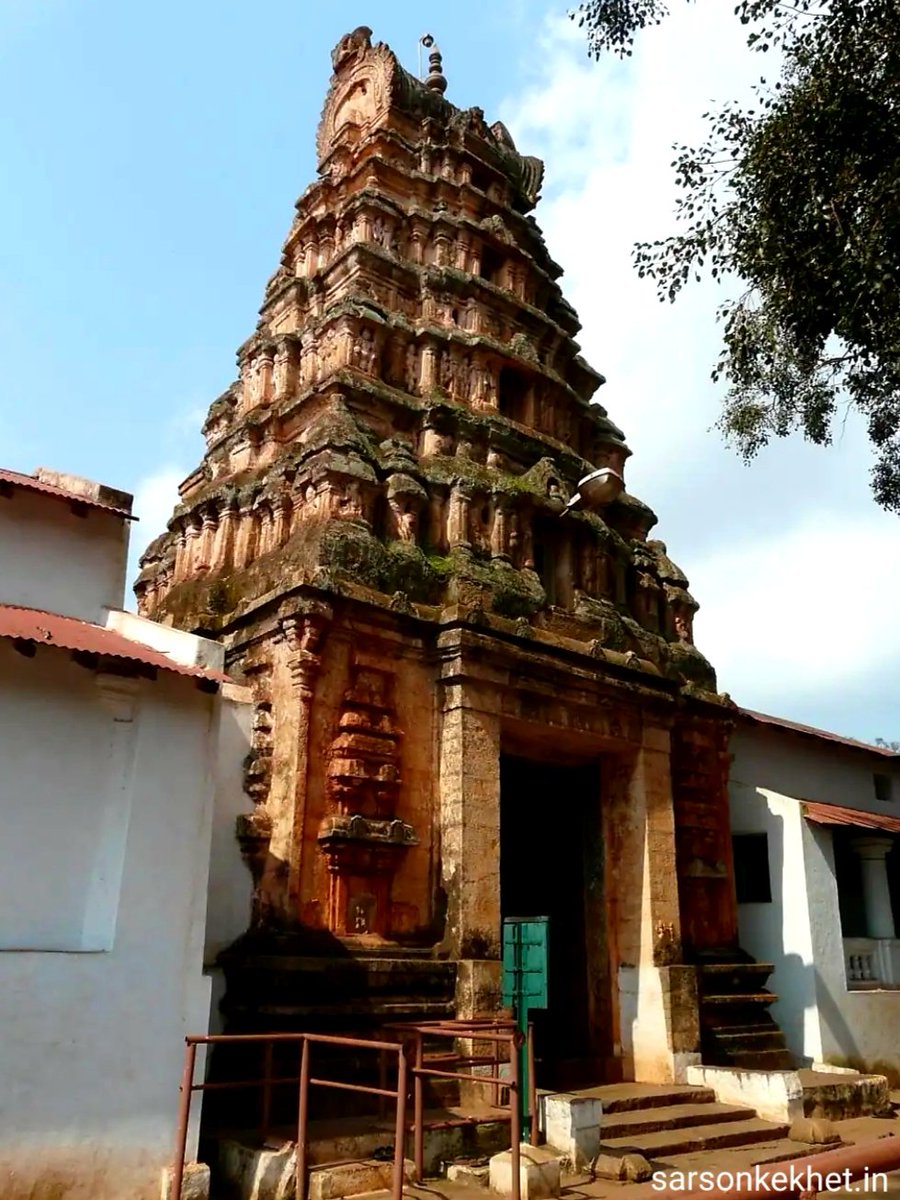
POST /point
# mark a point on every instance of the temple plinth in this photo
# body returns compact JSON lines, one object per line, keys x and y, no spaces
{"x":470,"y":689}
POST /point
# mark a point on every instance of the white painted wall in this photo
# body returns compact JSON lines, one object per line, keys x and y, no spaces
{"x":105,"y":854}
{"x":230,"y":882}
{"x":779,"y":932}
{"x":58,"y":562}
{"x":800,"y":931}
{"x":813,"y":769}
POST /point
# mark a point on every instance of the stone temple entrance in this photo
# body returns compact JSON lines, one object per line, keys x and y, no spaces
{"x":388,"y":533}
{"x":551,"y":864}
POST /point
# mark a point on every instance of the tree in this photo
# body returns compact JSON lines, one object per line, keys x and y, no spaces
{"x":798,"y":197}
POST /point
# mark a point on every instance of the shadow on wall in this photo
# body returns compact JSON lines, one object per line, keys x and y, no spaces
{"x":806,"y":996}
{"x":769,"y":926}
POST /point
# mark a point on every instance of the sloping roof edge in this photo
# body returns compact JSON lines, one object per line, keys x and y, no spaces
{"x":835,"y":814}
{"x":758,"y":718}
{"x":32,"y":484}
{"x":69,"y":633}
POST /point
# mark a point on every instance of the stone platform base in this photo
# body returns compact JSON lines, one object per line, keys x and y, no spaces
{"x":539,"y":1172}
{"x":363,"y":1148}
{"x":840,"y":1094}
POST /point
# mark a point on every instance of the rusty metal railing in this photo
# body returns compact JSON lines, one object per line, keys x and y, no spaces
{"x":305,"y":1081}
{"x":498,"y":1033}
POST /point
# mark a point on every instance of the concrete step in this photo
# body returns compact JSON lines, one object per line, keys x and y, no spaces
{"x":838,"y":1096}
{"x":628,"y":1097}
{"x":670,"y":1142}
{"x":340,"y":1180}
{"x":760,"y":1060}
{"x":676,"y":1116}
{"x":737,"y":999}
{"x":760,"y":1038}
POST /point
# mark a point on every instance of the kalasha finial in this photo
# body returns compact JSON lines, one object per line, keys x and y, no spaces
{"x":436,"y":79}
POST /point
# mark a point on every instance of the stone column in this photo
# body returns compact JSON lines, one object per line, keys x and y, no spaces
{"x":281,"y":522}
{"x":458,"y":516}
{"x":244,"y":538}
{"x":264,"y":373}
{"x":179,"y":570}
{"x":500,"y":531}
{"x":281,"y":372}
{"x":204,"y":546}
{"x":872,"y":852}
{"x":223,"y":552}
{"x":264,"y":538}
{"x":658,"y":1021}
{"x":191,"y":542}
{"x":437,"y":532}
{"x":428,"y":378}
{"x":302,"y":636}
{"x":470,"y":846}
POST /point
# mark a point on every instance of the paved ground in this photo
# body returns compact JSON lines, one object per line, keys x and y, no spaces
{"x":858,"y":1131}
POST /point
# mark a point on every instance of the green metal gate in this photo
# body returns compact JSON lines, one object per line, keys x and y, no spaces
{"x":525,"y":968}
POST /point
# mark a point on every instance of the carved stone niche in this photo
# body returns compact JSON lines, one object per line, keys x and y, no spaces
{"x":361,"y":837}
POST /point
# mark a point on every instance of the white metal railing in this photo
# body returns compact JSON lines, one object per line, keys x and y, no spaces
{"x":872,"y":962}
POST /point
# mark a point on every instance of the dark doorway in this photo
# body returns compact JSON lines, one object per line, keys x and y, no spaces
{"x":551,"y":865}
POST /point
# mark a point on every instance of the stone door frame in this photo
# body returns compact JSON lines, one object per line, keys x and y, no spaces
{"x":494,"y":695}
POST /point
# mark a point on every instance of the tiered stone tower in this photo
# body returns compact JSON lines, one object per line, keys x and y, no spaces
{"x":383,"y":533}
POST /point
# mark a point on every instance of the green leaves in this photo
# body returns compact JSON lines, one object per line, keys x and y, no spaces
{"x":798,"y":197}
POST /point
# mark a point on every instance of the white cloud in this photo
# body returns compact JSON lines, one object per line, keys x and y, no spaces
{"x":779,"y":612}
{"x":768,"y":548}
{"x":154,"y":499}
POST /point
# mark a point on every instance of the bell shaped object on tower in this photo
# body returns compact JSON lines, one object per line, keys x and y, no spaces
{"x":599,"y":488}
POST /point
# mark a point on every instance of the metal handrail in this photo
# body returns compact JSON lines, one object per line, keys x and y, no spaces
{"x":410,"y":1044}
{"x":499,"y":1032}
{"x":305,"y":1080}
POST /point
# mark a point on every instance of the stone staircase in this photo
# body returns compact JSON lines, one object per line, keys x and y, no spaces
{"x":275,"y":983}
{"x":736,"y":1027}
{"x":661,"y":1122}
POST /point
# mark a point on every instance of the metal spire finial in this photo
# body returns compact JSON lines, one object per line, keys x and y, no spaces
{"x":436,"y":80}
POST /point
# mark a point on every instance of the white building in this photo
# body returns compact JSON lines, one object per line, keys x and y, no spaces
{"x":112,"y":731}
{"x":815,"y":820}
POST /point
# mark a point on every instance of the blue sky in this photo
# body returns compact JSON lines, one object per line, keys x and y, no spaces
{"x":152,"y":156}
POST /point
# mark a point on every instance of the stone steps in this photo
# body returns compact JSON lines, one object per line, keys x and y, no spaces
{"x":837,"y":1096}
{"x":738,"y":999}
{"x":736,"y":1026}
{"x":670,"y":1142}
{"x":629,"y":1097}
{"x":663,"y":1117}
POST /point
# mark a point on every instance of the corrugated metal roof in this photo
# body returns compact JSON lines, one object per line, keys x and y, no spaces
{"x":811,"y":731}
{"x":834,"y":814}
{"x":30,"y":483}
{"x":68,"y":633}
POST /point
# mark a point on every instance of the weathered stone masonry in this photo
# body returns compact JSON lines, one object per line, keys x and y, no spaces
{"x":376,"y":532}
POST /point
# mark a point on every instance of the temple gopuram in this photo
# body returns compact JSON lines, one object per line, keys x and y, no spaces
{"x":476,"y":690}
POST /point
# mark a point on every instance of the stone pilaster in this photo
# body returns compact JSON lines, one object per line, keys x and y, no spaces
{"x":470,"y":846}
{"x":658,"y":1017}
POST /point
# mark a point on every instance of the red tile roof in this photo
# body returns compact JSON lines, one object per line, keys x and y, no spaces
{"x":834,"y":814}
{"x":30,"y":483}
{"x":757,"y":718}
{"x":68,"y":633}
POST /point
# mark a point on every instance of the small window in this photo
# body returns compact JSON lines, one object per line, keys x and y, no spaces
{"x":751,"y":868}
{"x":480,"y":179}
{"x":491,"y":265}
{"x":882,"y":787}
{"x":545,"y":568}
{"x":512,"y":395}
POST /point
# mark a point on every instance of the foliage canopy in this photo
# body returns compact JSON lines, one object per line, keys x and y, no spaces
{"x":797,"y":196}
